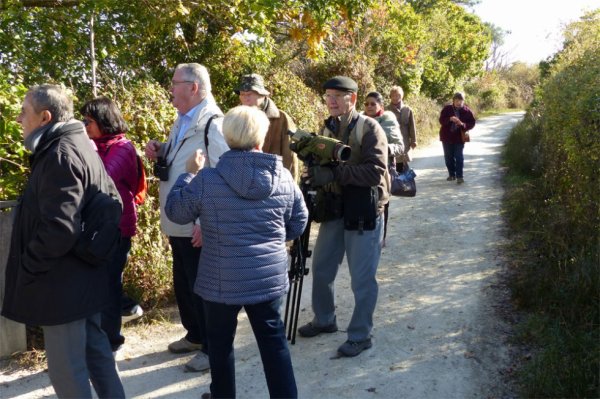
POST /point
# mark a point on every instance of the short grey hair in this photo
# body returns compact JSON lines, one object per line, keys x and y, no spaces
{"x":245,"y":128}
{"x":197,"y":73}
{"x":53,"y":98}
{"x":397,"y":89}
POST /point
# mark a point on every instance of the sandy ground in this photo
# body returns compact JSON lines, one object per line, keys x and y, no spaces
{"x":438,"y":331}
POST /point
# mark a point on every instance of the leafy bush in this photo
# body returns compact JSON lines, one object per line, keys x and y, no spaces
{"x":554,"y":155}
{"x":304,"y":105}
{"x":427,"y":113}
{"x":13,"y":155}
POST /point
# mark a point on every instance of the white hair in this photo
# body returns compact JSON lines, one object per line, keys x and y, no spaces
{"x":245,"y":127}
{"x":197,"y":73}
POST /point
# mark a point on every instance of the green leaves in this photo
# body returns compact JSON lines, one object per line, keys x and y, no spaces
{"x":13,"y":156}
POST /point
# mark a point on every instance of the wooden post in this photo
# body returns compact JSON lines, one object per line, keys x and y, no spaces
{"x":12,"y":334}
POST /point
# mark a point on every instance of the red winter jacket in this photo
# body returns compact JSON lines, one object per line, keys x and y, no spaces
{"x":119,"y":158}
{"x":447,"y":134}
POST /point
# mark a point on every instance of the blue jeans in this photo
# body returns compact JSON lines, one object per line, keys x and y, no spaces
{"x":363,"y":251}
{"x":453,"y":155}
{"x":185,"y":270}
{"x":269,"y":331}
{"x":78,"y":352}
{"x":111,"y":315}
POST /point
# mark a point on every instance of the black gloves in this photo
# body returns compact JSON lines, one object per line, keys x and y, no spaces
{"x":320,"y":175}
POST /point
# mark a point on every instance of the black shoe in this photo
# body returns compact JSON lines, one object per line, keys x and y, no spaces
{"x":312,"y":330}
{"x":354,"y":348}
{"x":450,"y":178}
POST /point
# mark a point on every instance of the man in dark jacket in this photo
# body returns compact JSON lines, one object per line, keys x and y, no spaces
{"x":362,"y":184}
{"x":46,"y":283}
{"x":455,"y":119}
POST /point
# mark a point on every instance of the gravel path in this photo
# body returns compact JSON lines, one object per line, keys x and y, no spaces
{"x":437,"y":330}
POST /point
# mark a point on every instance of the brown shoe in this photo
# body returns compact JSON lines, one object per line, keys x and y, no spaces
{"x":183,"y":346}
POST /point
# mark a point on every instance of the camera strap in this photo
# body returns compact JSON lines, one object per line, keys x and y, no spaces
{"x":206,"y":135}
{"x":346,"y":136}
{"x":182,"y":142}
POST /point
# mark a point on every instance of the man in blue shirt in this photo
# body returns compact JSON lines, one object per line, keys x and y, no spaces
{"x":191,"y":92}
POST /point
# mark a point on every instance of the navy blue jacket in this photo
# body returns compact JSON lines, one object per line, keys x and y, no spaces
{"x":249,"y":206}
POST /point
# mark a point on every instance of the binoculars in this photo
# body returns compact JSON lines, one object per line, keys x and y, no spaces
{"x":161,"y":169}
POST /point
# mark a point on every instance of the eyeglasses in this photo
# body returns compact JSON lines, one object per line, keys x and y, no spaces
{"x":336,"y":97}
{"x":176,"y":82}
{"x":368,"y":104}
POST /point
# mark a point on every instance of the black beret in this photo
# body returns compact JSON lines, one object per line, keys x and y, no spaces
{"x":342,"y":83}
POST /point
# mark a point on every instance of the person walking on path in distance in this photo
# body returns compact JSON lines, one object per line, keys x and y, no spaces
{"x":47,"y":284}
{"x":252,"y":92}
{"x":455,"y":119}
{"x":249,"y":206}
{"x":362,"y":185}
{"x":196,"y":107}
{"x":406,"y":120}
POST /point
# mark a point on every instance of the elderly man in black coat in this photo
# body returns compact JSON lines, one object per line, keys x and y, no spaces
{"x":47,"y":283}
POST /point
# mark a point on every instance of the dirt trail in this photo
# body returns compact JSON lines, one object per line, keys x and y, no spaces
{"x":436,"y":335}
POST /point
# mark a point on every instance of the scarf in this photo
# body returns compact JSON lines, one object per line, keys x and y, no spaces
{"x":32,"y":141}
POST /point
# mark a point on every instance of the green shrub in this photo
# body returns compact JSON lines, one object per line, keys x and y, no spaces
{"x":13,"y":155}
{"x":427,"y":113}
{"x":303,"y":104}
{"x":554,"y":213}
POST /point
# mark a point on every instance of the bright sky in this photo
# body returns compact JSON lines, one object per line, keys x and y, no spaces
{"x":536,"y":25}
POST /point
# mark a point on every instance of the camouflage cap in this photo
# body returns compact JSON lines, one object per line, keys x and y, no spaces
{"x":252,"y":82}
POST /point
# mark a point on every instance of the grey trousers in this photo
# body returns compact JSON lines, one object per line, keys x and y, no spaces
{"x":363,"y":252}
{"x":79,"y":352}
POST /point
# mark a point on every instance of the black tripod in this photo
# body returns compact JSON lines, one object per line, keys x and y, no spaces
{"x":299,"y":253}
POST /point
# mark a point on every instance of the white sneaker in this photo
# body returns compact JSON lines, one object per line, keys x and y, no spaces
{"x":198,"y":363}
{"x":135,"y":313}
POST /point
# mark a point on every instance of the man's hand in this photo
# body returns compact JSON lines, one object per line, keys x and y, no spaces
{"x":152,"y":149}
{"x":195,"y":162}
{"x":413,"y":145}
{"x":196,"y":236}
{"x":320,"y":175}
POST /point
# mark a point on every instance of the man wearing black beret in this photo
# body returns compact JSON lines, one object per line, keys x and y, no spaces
{"x":353,"y":193}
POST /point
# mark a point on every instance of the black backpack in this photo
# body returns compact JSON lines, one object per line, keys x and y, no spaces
{"x":100,"y":234}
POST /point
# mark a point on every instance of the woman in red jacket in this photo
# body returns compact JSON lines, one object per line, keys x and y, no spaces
{"x":455,"y":118}
{"x":106,"y":127}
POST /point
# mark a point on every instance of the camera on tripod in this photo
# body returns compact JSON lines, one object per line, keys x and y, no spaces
{"x":314,"y":149}
{"x":161,"y":169}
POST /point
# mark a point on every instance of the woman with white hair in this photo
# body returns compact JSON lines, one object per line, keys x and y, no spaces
{"x":248,"y":206}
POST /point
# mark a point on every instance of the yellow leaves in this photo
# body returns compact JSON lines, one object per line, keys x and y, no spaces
{"x":182,"y":10}
{"x":313,"y":32}
{"x":296,"y":33}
